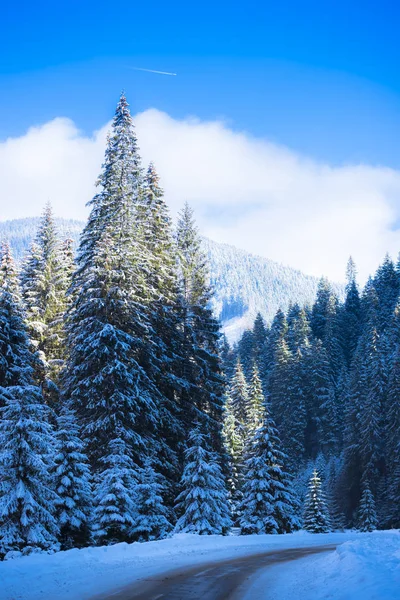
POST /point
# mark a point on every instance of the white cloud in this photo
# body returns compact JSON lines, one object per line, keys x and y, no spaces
{"x":246,"y":191}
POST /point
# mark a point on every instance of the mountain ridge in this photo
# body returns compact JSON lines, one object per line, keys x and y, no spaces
{"x":243,"y":283}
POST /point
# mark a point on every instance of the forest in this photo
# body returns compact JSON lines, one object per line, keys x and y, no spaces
{"x":126,"y":416}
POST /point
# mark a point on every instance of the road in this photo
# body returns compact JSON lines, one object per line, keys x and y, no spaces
{"x":222,"y":580}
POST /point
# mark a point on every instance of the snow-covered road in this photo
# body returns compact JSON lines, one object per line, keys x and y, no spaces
{"x":363,"y":567}
{"x":221,"y":580}
{"x":81,"y":574}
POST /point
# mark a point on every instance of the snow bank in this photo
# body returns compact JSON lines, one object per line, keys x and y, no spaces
{"x":80,"y":574}
{"x":367,"y":568}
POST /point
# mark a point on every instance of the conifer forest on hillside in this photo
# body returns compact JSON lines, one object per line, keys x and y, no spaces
{"x":125,"y":414}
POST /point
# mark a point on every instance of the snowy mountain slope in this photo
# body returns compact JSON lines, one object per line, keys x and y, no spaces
{"x":244,"y":284}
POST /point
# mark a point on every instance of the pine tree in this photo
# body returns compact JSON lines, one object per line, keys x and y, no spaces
{"x":108,"y":323}
{"x":27,"y":444}
{"x":260,"y":335}
{"x":234,"y":445}
{"x":27,"y":521}
{"x":16,"y":359}
{"x":299,"y":330}
{"x":321,"y":309}
{"x":150,"y":521}
{"x":393,"y":443}
{"x":255,"y":407}
{"x":367,"y":519}
{"x":203,"y":502}
{"x":163,"y":362}
{"x":203,"y":392}
{"x":72,"y":483}
{"x":387,"y":285}
{"x":316,"y":517}
{"x":114,"y":495}
{"x":350,"y":317}
{"x":268,"y":505}
{"x":239,"y":395}
{"x":45,"y":280}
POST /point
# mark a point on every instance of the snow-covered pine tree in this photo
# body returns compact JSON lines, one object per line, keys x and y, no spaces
{"x":260,"y":336}
{"x":393,"y":444}
{"x":370,"y":412}
{"x":108,"y":325}
{"x":239,"y":395}
{"x":278,"y":381}
{"x":114,"y":493}
{"x":234,"y":445}
{"x":367,"y":519}
{"x":15,"y":354}
{"x":72,"y":480}
{"x":299,"y":330}
{"x":27,"y":499}
{"x":316,"y":516}
{"x":45,"y":279}
{"x":110,"y":339}
{"x":321,"y":309}
{"x":203,"y":391}
{"x":350,"y":320}
{"x":268,"y":504}
{"x":203,"y":502}
{"x":151,"y":519}
{"x":255,"y":406}
{"x":163,"y":363}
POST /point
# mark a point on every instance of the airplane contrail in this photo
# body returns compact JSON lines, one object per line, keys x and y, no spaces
{"x":151,"y":71}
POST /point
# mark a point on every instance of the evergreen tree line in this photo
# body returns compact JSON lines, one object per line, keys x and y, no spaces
{"x":111,"y":387}
{"x":331,"y":377}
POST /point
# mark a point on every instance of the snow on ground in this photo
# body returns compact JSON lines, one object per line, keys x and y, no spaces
{"x":367,"y":568}
{"x":80,"y":574}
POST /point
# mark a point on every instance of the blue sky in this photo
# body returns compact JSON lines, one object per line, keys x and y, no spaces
{"x":281,"y":128}
{"x":320,"y":77}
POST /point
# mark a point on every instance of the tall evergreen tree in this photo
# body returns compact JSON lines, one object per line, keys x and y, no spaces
{"x":255,"y":409}
{"x":239,"y":395}
{"x":151,"y":519}
{"x":203,"y":393}
{"x":27,"y":520}
{"x":72,"y":483}
{"x":367,"y":519}
{"x":45,"y":278}
{"x":109,"y":333}
{"x":316,"y":517}
{"x":203,"y":502}
{"x":268,"y":505}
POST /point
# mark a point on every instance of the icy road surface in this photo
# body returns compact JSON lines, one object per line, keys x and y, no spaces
{"x":226,"y":580}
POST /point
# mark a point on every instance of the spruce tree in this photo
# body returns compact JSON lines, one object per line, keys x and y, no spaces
{"x":203,"y":391}
{"x":393,"y":443}
{"x":151,"y":519}
{"x":27,"y":499}
{"x":72,"y":482}
{"x":255,"y":407}
{"x":316,"y":517}
{"x":268,"y":505}
{"x":108,"y":323}
{"x":203,"y":502}
{"x":162,"y":363}
{"x":16,"y":359}
{"x":114,"y":494}
{"x":367,"y":519}
{"x":239,"y":396}
{"x":234,"y":445}
{"x":45,"y":279}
